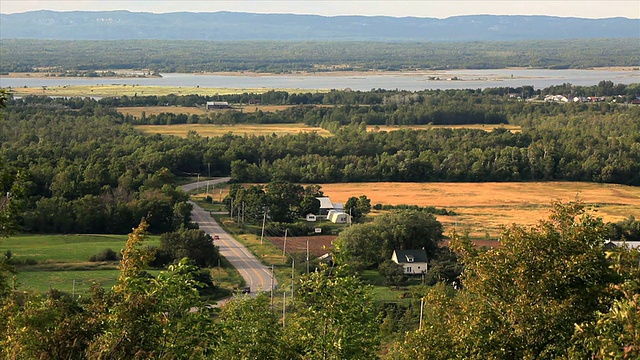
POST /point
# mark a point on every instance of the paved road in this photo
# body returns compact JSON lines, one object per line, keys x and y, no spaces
{"x":254,"y":273}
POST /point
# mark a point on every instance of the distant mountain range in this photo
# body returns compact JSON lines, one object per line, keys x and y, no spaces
{"x":232,"y":26}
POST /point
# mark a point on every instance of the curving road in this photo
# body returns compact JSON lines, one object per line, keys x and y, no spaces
{"x":256,"y":275}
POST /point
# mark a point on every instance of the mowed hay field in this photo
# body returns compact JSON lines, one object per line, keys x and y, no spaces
{"x":210,"y":130}
{"x":155,"y":110}
{"x":485,"y":127}
{"x":485,"y":207}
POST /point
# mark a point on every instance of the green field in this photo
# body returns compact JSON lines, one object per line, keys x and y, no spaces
{"x":63,"y":248}
{"x":57,"y":260}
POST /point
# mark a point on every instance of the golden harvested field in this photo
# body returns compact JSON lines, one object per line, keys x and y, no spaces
{"x":487,"y":127}
{"x":240,"y":129}
{"x":485,"y":207}
{"x":155,"y":110}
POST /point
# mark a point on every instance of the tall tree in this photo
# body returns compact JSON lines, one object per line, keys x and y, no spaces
{"x":523,"y":299}
{"x":249,"y":330}
{"x":335,"y":318}
{"x":367,"y":245}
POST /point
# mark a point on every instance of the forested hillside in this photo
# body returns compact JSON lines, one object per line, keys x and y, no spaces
{"x":51,"y":56}
{"x":234,"y":26}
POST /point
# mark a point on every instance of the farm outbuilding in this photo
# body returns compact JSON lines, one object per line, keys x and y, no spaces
{"x":212,"y":105}
{"x":338,"y":217}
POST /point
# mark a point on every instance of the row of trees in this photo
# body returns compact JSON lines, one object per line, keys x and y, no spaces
{"x":284,"y":202}
{"x":388,"y":107}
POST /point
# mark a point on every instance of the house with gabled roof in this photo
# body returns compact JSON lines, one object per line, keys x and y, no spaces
{"x":414,"y":262}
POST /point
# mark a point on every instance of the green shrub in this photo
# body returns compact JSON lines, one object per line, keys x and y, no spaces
{"x":105,"y":255}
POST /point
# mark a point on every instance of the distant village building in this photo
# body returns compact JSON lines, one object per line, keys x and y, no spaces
{"x":214,"y":105}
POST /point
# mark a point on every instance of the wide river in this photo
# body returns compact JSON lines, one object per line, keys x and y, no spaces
{"x":452,"y":79}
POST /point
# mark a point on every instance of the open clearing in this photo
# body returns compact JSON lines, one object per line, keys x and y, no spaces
{"x":136,"y":111}
{"x":61,"y":260}
{"x":137,"y":90}
{"x":211,"y":130}
{"x":485,"y":207}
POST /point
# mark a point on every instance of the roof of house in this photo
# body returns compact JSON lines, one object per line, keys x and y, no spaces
{"x":405,"y":256}
{"x":325,"y":202}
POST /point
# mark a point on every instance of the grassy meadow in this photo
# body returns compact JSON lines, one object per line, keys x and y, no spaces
{"x":55,"y":261}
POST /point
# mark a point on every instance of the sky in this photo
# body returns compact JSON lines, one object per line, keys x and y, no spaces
{"x":420,"y":8}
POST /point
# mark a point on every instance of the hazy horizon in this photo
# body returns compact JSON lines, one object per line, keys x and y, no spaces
{"x":417,"y":8}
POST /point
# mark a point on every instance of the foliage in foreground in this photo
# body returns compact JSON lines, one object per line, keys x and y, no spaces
{"x":549,"y":292}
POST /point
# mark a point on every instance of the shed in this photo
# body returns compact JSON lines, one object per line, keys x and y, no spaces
{"x":338,"y":217}
{"x":211,"y":105}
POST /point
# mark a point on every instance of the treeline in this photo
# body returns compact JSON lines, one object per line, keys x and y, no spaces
{"x":389,"y":107}
{"x":89,"y":172}
{"x":86,"y":174}
{"x":376,"y":96}
{"x":25,"y":55}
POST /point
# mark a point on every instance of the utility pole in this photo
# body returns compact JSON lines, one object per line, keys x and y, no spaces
{"x":293,"y":266}
{"x":421,"y":309}
{"x":207,"y":186}
{"x":231,"y":206}
{"x":209,"y":169}
{"x":307,"y":256}
{"x":264,"y":219}
{"x":284,"y":309}
{"x":284,"y":248}
{"x":272,"y":287}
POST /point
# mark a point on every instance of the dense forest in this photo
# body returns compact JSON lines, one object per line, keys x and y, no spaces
{"x":53,"y":56}
{"x":82,"y":156}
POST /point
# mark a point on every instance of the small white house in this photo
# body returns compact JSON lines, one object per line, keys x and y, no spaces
{"x":311,"y":218}
{"x":414,"y":262}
